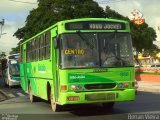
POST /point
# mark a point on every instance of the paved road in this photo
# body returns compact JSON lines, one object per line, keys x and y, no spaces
{"x":1,"y":82}
{"x":20,"y":105}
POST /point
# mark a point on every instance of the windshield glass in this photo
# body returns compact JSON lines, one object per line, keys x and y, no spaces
{"x":14,"y":67}
{"x":87,"y":50}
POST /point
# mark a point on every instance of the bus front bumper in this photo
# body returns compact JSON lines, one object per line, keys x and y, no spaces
{"x":13,"y":82}
{"x":96,"y":97}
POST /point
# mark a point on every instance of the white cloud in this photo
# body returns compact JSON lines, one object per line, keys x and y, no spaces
{"x":136,"y":4}
{"x":15,"y":15}
{"x":150,"y":10}
{"x":7,"y":6}
{"x":7,"y":41}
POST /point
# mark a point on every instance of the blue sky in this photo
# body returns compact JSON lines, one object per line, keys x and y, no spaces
{"x":149,"y":8}
{"x":15,"y":15}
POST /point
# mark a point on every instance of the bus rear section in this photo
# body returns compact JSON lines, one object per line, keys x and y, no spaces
{"x":11,"y":73}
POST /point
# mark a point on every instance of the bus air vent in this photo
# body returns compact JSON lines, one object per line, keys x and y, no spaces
{"x":100,"y":86}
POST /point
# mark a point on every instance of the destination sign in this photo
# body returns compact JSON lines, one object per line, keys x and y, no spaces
{"x":95,"y":25}
{"x":74,"y":51}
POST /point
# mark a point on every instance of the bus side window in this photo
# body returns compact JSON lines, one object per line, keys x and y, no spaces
{"x":31,"y":53}
{"x":37,"y":48}
{"x":47,"y":45}
{"x":21,"y":54}
{"x":41,"y":48}
{"x":34,"y":50}
{"x":27,"y":52}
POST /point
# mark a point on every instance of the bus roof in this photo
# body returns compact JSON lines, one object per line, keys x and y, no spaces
{"x":13,"y":56}
{"x":74,"y":20}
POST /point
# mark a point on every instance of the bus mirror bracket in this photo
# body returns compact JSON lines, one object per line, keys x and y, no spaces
{"x":56,"y":42}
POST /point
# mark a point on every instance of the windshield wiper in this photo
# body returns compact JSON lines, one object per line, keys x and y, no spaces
{"x":86,"y":41}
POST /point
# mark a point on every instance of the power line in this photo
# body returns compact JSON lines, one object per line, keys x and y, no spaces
{"x":23,"y":2}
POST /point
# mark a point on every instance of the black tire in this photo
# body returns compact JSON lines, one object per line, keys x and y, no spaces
{"x":108,"y":105}
{"x":6,"y":84}
{"x":32,"y":98}
{"x":55,"y":107}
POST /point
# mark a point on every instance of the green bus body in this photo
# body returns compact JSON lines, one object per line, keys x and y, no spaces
{"x":43,"y":60}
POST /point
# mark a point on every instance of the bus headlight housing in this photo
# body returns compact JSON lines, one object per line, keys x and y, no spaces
{"x":123,"y":85}
{"x":76,"y":87}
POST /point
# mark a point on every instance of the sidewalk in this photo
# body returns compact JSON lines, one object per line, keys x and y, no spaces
{"x":145,"y":86}
{"x":3,"y":96}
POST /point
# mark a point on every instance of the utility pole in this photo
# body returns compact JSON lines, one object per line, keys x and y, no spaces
{"x":1,"y":25}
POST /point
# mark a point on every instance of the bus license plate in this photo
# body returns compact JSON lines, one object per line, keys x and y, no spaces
{"x":101,"y":96}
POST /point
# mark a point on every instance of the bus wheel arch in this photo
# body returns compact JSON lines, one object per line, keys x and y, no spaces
{"x":28,"y":86}
{"x":55,"y":107}
{"x":48,"y":91}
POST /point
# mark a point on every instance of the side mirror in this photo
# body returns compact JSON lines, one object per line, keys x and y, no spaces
{"x":55,"y":42}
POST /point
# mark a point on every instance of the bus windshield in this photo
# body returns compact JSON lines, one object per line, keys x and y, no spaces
{"x":88,"y":50}
{"x":14,"y":68}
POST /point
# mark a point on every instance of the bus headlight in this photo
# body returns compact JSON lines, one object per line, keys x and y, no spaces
{"x":123,"y":85}
{"x":76,"y":87}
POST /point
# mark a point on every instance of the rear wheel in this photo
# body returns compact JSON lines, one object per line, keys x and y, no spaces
{"x":108,"y":105}
{"x":6,"y":83}
{"x":55,"y":107}
{"x":31,"y":96}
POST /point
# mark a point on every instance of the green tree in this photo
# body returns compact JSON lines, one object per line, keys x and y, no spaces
{"x":109,"y":13}
{"x":15,"y":50}
{"x":51,"y":11}
{"x":2,"y":55}
{"x":142,"y":35}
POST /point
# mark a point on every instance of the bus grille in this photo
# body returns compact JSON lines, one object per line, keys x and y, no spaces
{"x":100,"y":86}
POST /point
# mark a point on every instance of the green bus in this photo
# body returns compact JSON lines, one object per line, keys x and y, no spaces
{"x":79,"y":61}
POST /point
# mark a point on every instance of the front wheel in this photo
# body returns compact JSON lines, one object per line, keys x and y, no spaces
{"x":55,"y":107}
{"x":108,"y":105}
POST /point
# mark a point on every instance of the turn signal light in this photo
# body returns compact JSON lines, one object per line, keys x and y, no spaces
{"x":64,"y":87}
{"x":124,"y":85}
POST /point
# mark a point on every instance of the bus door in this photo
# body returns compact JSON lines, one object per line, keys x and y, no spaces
{"x":23,"y":69}
{"x":55,"y":60}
